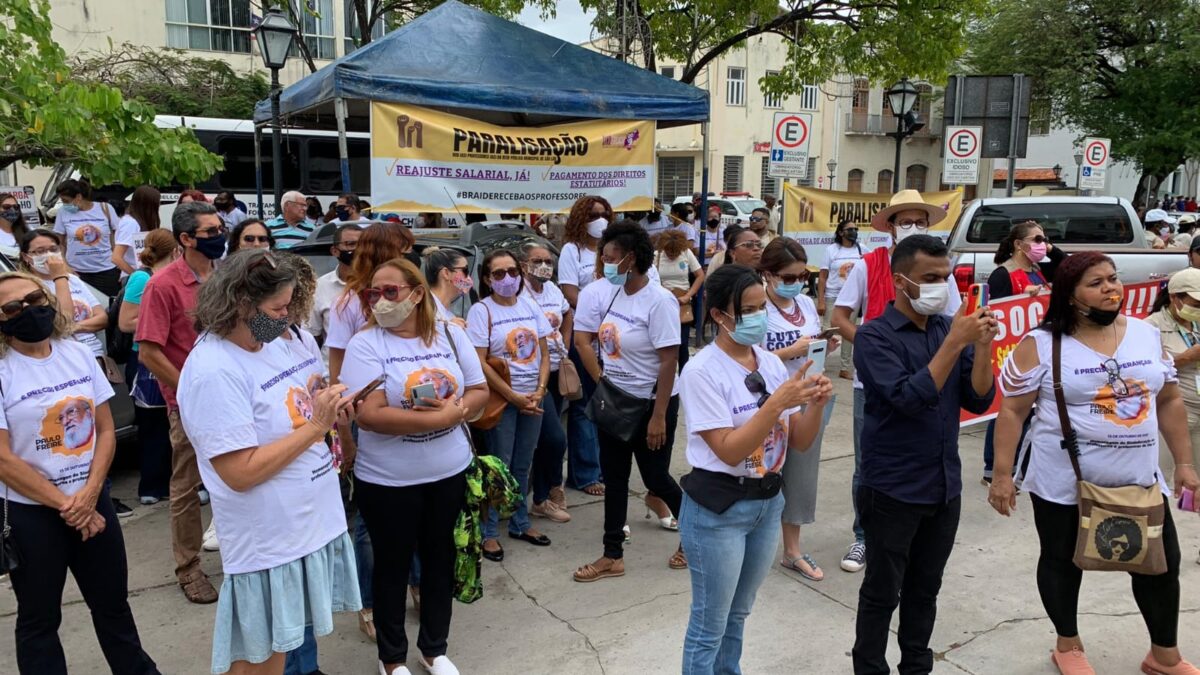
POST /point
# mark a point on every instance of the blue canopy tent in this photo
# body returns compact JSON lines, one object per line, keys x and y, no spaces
{"x":467,"y":62}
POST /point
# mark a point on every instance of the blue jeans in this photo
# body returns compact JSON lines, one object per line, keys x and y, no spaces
{"x":364,"y":554}
{"x":303,"y":659}
{"x":513,"y":441}
{"x":583,"y":450}
{"x":729,"y":555}
{"x":989,"y":445}
{"x":860,"y":402}
{"x":551,"y":446}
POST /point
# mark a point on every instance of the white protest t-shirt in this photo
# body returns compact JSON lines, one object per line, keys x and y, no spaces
{"x":230,"y":400}
{"x":7,"y":240}
{"x":673,"y":272}
{"x":84,"y":303}
{"x":713,"y":241}
{"x":839,"y":260}
{"x":412,"y":459}
{"x":345,"y":319}
{"x":513,"y":337}
{"x":784,"y":333}
{"x":89,"y":237}
{"x":688,"y":231}
{"x":653,"y":228}
{"x":48,"y":406}
{"x":576,"y":266}
{"x":630,"y":332}
{"x":854,"y":296}
{"x":712,"y":391}
{"x":554,"y":305}
{"x":1118,"y":435}
{"x":129,"y":233}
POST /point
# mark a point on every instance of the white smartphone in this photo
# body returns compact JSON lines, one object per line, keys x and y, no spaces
{"x":816,"y":352}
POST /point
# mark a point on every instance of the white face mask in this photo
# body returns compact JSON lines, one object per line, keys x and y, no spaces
{"x":933,"y":298}
{"x":595,"y":228}
{"x":902,"y":234}
{"x":41,"y":263}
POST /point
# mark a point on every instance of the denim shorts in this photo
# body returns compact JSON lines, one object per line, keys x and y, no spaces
{"x":263,"y":612}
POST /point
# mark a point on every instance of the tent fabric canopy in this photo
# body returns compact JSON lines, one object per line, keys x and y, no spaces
{"x":460,"y":58}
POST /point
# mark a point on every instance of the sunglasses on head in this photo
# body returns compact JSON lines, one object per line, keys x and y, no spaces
{"x":755,"y":384}
{"x":389,"y":292}
{"x":34,"y":299}
{"x":498,"y":273}
{"x":266,"y":259}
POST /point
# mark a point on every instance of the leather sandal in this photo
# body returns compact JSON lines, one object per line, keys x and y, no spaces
{"x":678,"y":560}
{"x":366,"y":623}
{"x":198,"y":589}
{"x":591,"y":572}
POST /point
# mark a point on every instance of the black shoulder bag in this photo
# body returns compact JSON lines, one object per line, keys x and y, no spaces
{"x":613,"y":409}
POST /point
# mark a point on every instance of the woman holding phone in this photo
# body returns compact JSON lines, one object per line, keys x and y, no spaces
{"x":413,"y":451}
{"x":792,"y":326}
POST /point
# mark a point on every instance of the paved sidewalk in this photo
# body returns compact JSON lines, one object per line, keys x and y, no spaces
{"x":534,"y":619}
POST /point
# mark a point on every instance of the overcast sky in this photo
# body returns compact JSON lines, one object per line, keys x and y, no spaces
{"x":571,"y":23}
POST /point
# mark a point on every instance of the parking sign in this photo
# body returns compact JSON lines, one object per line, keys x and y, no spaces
{"x":960,"y":166}
{"x":790,"y":136}
{"x":1092,"y":174}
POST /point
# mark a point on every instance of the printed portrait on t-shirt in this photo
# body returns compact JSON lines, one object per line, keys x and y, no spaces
{"x":770,"y":455}
{"x":444,"y":384}
{"x":82,"y":311}
{"x":521,"y":345}
{"x":554,"y":319}
{"x":844,"y":269}
{"x":1127,"y":411}
{"x":69,"y":427}
{"x":610,"y":340}
{"x":299,"y":406}
{"x":316,"y":382}
{"x":88,"y":235}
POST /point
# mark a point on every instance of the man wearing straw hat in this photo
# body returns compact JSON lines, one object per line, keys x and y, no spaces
{"x":868,"y":290}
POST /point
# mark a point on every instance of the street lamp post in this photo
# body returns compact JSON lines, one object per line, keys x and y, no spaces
{"x":1057,"y":169}
{"x":902,"y":97}
{"x":1078,"y":169}
{"x":275,"y":34}
{"x":831,"y":164}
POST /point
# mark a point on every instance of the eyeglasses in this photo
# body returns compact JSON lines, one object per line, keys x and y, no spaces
{"x":909,"y":224}
{"x":754,"y":244}
{"x":793,"y":278}
{"x":389,"y":292}
{"x":755,"y":384}
{"x":498,"y":274}
{"x":1037,"y":239}
{"x":44,"y":251}
{"x":34,"y":299}
{"x":255,"y":239}
{"x":210,"y":232}
{"x":756,"y":219}
{"x":1115,"y":381}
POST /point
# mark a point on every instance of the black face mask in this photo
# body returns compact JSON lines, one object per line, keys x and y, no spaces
{"x":33,"y":324}
{"x":1100,"y":317}
{"x":345,"y":257}
{"x":713,"y":223}
{"x":313,"y":212}
{"x":850,"y":237}
{"x":653,"y":216}
{"x":221,"y":206}
{"x":343,"y":213}
{"x":212,"y":247}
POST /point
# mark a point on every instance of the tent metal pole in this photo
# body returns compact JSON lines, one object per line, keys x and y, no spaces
{"x":258,"y":181}
{"x":702,"y":222}
{"x":339,"y":112}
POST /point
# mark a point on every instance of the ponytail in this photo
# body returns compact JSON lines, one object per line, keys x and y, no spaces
{"x":1008,"y":245}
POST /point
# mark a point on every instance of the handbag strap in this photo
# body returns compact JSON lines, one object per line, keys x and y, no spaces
{"x":454,"y":348}
{"x":7,"y":526}
{"x":1070,"y":441}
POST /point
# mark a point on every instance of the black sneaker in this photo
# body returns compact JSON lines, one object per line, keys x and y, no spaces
{"x":122,"y":510}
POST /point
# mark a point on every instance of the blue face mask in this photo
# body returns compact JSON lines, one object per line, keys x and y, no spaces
{"x":789,"y":291}
{"x":69,"y":208}
{"x":751,"y":328}
{"x":614,"y":277}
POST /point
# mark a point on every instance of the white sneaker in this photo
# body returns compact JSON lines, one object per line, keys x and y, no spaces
{"x":551,"y":511}
{"x":203,"y":495}
{"x":400,"y":670}
{"x":210,"y":538}
{"x":855,"y":558}
{"x":440,"y":666}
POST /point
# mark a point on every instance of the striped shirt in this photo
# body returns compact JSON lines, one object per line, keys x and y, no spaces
{"x":287,"y":236}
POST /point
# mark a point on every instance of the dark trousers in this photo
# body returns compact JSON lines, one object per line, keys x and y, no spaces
{"x":616,"y":460}
{"x":48,"y":547}
{"x":401,"y":519}
{"x":685,"y":334}
{"x":1058,"y":578}
{"x":907,"y":549}
{"x":154,"y":436}
{"x":551,"y":446}
{"x":107,"y":282}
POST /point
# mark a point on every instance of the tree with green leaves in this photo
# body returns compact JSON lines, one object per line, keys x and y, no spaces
{"x":172,"y":82}
{"x":371,"y":17}
{"x":48,"y":117}
{"x":877,"y":39}
{"x":1119,"y":69}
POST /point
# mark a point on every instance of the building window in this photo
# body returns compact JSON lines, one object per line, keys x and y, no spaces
{"x":318,"y":31}
{"x":733,"y":173}
{"x":212,"y":25}
{"x":862,"y":95}
{"x":667,"y":71}
{"x":676,"y":176}
{"x":810,"y":175}
{"x":1039,"y":117}
{"x":924,"y":105}
{"x":854,"y":180}
{"x":772,"y":100}
{"x":914,"y":178}
{"x":735,"y":86}
{"x":770,"y":186}
{"x":884,"y":182}
{"x":353,"y":34}
{"x":809,"y":97}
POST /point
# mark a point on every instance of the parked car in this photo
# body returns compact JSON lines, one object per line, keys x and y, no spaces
{"x":734,"y":210}
{"x":1107,"y":224}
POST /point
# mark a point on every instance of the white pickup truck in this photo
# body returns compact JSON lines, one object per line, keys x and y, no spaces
{"x":1106,"y":224}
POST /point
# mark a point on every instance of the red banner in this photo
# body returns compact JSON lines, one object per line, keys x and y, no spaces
{"x":1020,"y":314}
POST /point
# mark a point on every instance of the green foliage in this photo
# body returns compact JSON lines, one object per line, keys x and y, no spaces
{"x":173,"y":83}
{"x":1113,"y":68}
{"x":882,"y":40}
{"x":49,"y":117}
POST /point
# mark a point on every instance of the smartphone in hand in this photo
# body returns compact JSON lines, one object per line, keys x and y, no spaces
{"x":977,"y":298}
{"x":422,"y":392}
{"x":816,"y":353}
{"x":366,"y":391}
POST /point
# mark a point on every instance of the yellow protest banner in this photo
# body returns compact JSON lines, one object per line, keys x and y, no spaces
{"x":810,"y":216}
{"x":428,"y":160}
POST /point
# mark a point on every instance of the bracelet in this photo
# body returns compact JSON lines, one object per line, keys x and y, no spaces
{"x":1190,"y":466}
{"x":61,"y":276}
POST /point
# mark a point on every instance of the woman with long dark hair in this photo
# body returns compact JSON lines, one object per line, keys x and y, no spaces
{"x":1121,"y":391}
{"x":1026,"y":261}
{"x":250,"y":233}
{"x":12,"y":221}
{"x":141,"y":217}
{"x":840,"y":257}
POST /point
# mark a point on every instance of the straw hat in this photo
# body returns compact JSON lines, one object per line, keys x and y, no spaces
{"x":907,"y":200}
